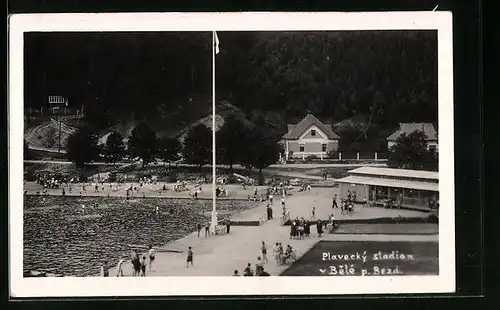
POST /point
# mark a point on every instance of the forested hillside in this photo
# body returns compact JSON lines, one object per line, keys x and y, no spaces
{"x":161,"y":77}
{"x":387,"y":76}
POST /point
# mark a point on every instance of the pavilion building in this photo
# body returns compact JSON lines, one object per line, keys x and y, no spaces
{"x":415,"y":189}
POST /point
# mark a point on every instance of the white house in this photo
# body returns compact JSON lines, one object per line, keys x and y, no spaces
{"x":309,"y":137}
{"x":408,"y":128}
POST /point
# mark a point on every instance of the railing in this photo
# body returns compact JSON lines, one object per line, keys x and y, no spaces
{"x":64,"y":127}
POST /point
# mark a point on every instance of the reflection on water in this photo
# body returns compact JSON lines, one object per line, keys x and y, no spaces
{"x":62,"y":237}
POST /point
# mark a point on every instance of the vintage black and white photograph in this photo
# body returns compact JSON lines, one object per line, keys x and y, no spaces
{"x":186,"y":150}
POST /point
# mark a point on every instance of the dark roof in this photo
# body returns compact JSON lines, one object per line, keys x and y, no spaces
{"x":408,"y":128}
{"x":294,"y":131}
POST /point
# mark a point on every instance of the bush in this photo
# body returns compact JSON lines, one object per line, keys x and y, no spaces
{"x":311,"y":158}
{"x":332,"y":155}
{"x":172,"y":176}
{"x":82,"y":178}
{"x":432,"y":218}
{"x":112,"y":177}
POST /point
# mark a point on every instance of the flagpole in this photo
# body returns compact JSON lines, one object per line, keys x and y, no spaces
{"x":214,"y":182}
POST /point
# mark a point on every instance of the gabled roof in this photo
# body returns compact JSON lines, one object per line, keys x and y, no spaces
{"x":295,"y":131}
{"x":408,"y":128}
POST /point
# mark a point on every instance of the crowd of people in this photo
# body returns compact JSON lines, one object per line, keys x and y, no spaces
{"x":301,"y":228}
{"x":139,"y":265}
{"x":49,"y":181}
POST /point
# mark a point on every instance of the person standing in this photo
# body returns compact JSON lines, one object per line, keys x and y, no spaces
{"x":207,"y":230}
{"x":105,"y":269}
{"x":334,"y":202}
{"x":198,"y":227}
{"x":143,"y":266}
{"x":119,"y":267}
{"x":189,"y":257}
{"x":276,"y":252}
{"x":152,"y":253}
{"x":313,"y":216}
{"x":319,"y":228}
{"x":228,"y":226}
{"x":263,"y":250}
{"x":136,"y":263}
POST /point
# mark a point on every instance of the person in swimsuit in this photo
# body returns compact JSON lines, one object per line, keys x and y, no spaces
{"x":136,"y":263}
{"x":319,"y":228}
{"x":119,"y":267}
{"x":198,"y":227}
{"x":105,"y":269}
{"x":276,"y":252}
{"x":152,"y":253}
{"x":190,"y":257}
{"x":207,"y":232}
{"x":264,"y":251}
{"x":143,"y":266}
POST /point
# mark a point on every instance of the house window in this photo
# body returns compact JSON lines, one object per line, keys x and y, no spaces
{"x":432,"y":148}
{"x":301,"y":148}
{"x":56,"y":99}
{"x":323,"y":147}
{"x":313,"y":133}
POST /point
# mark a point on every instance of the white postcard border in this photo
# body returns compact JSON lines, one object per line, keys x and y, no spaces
{"x":191,"y":286}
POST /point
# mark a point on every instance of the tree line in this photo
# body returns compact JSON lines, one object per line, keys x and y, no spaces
{"x":236,"y":144}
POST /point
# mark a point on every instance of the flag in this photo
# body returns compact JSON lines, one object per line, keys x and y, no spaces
{"x":216,"y":42}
